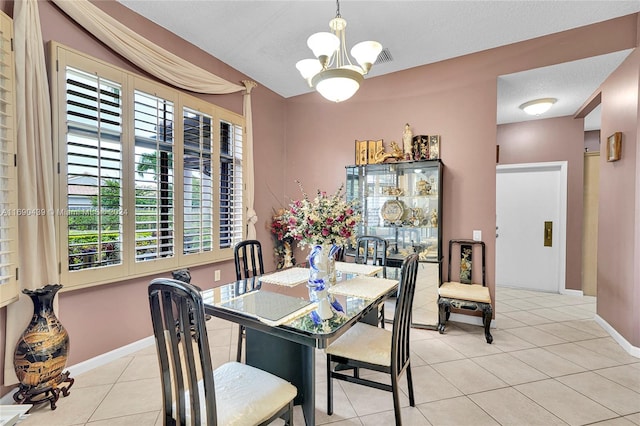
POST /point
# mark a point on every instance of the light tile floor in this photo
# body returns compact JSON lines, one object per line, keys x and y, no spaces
{"x":550,"y":364}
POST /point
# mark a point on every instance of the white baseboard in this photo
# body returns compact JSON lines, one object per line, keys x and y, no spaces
{"x":107,"y":357}
{"x":95,"y":362}
{"x":8,"y":398}
{"x":570,"y":292}
{"x":631,"y":350}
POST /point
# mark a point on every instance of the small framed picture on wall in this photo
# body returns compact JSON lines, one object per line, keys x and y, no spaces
{"x":614,"y":146}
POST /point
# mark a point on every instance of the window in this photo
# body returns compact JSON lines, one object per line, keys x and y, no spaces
{"x":8,"y":179}
{"x":138,"y":162}
{"x":94,"y":174}
{"x":231,"y":184}
{"x":153,"y":123}
{"x":197,"y":183}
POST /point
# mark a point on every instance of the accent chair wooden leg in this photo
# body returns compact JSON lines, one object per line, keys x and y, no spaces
{"x":443,"y":307}
{"x":487,"y":313}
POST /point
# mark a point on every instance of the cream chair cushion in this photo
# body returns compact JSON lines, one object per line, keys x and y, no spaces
{"x":246,"y":395}
{"x":470,"y":292}
{"x":364,"y":342}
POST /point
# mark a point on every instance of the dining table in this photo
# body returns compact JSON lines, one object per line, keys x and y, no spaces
{"x":282,"y":325}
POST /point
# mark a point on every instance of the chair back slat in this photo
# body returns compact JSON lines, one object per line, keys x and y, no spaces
{"x":468,"y":257}
{"x":372,"y":250}
{"x":176,"y":307}
{"x":247,"y":255}
{"x":402,"y":319}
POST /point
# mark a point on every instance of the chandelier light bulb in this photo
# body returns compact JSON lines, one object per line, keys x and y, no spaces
{"x":337,"y":85}
{"x":366,"y":53}
{"x":323,"y":44}
{"x":308,"y":68}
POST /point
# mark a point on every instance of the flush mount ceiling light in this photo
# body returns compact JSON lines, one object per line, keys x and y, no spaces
{"x":332,"y":73}
{"x":538,"y":106}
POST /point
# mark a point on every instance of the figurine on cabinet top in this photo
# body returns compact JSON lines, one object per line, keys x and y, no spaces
{"x":381,"y":156}
{"x":407,"y":138}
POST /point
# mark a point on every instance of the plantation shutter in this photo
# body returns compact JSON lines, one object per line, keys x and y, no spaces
{"x":8,"y":178}
{"x":94,"y":170}
{"x":154,"y":141}
{"x":197,"y":182}
{"x":231,"y":184}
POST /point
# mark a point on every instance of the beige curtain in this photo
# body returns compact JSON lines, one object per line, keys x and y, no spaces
{"x":169,"y":68}
{"x":251,"y":216}
{"x":38,"y":260}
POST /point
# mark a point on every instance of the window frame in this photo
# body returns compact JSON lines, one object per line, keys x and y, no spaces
{"x":61,"y":57}
{"x":9,"y":208}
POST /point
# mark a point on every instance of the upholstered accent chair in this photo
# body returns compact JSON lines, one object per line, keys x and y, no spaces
{"x":463,"y":290}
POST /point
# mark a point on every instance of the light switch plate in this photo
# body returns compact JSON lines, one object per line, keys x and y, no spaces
{"x":477,"y":235}
{"x":216,"y":275}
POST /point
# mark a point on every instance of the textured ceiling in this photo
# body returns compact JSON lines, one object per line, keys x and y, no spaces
{"x":264,"y":39}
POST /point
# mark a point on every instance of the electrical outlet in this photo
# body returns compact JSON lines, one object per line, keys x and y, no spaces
{"x":216,"y":275}
{"x":477,"y":235}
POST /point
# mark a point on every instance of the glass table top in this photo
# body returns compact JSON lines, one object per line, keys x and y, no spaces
{"x":288,"y":307}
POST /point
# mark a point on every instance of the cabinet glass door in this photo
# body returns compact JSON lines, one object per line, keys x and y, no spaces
{"x":401,"y":202}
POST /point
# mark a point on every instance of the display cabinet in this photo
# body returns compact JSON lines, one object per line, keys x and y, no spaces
{"x":402,"y":203}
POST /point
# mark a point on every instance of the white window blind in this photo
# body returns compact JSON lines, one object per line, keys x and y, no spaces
{"x":94,"y":170}
{"x":197,"y":182}
{"x":8,"y":179}
{"x":154,"y":177}
{"x":231,"y":184}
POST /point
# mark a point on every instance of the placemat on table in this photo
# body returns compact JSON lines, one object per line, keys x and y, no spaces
{"x":358,"y":268}
{"x":271,"y":308}
{"x":287,"y":277}
{"x":363,"y":286}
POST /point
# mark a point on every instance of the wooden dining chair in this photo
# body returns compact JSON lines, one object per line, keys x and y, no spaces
{"x":192,"y":391}
{"x":372,"y":250}
{"x":373,"y":348}
{"x":247,"y":256}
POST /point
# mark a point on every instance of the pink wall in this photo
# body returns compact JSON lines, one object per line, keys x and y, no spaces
{"x":554,"y":139}
{"x":455,"y":99}
{"x":309,"y":139}
{"x":619,"y":216}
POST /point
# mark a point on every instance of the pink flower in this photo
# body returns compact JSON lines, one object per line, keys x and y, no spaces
{"x":329,"y":221}
{"x":325,"y":232}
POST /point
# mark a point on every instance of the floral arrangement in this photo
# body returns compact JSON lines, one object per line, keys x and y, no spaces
{"x":282,"y":247}
{"x":326,"y":219}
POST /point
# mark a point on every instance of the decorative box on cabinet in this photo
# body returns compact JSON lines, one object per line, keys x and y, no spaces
{"x":402,"y":203}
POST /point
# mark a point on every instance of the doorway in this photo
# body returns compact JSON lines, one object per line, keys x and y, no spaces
{"x":528,"y":198}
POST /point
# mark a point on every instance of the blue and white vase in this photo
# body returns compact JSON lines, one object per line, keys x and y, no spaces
{"x":321,"y":268}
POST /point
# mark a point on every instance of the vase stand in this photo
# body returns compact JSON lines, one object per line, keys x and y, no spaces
{"x":36,"y":396}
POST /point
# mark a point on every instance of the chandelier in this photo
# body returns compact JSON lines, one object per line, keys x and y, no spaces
{"x":332,"y":73}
